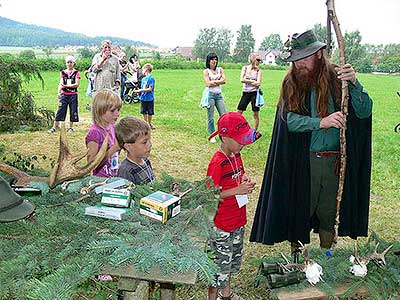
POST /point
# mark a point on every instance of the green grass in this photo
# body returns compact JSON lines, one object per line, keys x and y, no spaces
{"x":180,"y":145}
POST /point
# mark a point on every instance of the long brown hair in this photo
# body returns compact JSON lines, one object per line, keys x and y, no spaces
{"x":293,"y":96}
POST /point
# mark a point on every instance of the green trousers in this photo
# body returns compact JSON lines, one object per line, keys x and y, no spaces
{"x":324,"y":186}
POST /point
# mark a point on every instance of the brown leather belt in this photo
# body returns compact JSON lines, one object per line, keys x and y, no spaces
{"x":326,"y":153}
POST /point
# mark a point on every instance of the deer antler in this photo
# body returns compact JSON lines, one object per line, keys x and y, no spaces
{"x":22,"y":178}
{"x":377,"y":258}
{"x":66,"y":167}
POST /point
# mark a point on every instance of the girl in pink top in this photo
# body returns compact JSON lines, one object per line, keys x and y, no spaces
{"x":105,"y":112}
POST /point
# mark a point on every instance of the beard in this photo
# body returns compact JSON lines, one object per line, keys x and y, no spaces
{"x":308,"y":78}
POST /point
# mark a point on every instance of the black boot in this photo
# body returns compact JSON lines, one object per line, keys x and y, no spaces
{"x":295,"y":250}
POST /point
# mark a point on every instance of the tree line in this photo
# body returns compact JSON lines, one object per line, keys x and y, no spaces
{"x":365,"y":58}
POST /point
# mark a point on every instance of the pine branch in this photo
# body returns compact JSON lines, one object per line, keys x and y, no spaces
{"x":64,"y":248}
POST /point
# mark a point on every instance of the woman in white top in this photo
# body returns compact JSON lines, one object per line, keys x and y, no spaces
{"x":214,"y":77}
{"x":251,"y":77}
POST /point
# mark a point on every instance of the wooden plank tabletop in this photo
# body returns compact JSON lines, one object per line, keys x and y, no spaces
{"x":155,"y":274}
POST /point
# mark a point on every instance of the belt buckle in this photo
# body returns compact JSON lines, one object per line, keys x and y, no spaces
{"x":318,"y":155}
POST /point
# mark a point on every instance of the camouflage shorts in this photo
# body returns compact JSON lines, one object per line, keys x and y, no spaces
{"x":228,"y":250}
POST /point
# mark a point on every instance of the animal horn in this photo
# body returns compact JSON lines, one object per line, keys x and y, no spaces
{"x":66,"y":167}
{"x":22,"y":178}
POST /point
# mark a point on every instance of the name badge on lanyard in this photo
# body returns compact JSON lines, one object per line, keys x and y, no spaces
{"x":242,"y":200}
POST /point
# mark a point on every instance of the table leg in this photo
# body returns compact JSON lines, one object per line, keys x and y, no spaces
{"x":167,"y":291}
{"x":133,"y":289}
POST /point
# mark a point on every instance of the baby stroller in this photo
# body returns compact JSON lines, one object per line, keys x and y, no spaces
{"x":131,"y":84}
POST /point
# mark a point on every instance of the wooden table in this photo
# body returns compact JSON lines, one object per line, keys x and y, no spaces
{"x":134,"y":284}
{"x":313,"y":293}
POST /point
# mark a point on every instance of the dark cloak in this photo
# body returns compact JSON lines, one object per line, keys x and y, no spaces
{"x":283,"y":210}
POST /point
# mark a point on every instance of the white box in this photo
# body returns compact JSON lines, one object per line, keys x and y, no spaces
{"x":106,"y":212}
{"x":115,"y":198}
{"x":160,"y":206}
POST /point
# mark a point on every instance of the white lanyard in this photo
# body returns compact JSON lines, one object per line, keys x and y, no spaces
{"x":236,"y":172}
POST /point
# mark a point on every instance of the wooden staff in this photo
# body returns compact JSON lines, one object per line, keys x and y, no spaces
{"x":328,"y":34}
{"x":344,"y":108}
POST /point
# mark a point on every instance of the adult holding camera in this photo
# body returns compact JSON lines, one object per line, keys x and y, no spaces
{"x":251,"y":78}
{"x":107,"y":69}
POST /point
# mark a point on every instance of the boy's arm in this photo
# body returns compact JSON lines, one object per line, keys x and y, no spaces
{"x":244,"y":188}
{"x":149,"y":87}
{"x":146,"y":90}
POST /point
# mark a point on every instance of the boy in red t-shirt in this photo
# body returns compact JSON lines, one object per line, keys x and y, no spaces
{"x":227,"y":172}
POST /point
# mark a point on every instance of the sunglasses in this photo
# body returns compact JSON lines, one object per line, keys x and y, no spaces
{"x":70,"y":62}
{"x":258,"y":59}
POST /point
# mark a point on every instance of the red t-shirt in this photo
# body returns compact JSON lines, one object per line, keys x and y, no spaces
{"x":227,"y":173}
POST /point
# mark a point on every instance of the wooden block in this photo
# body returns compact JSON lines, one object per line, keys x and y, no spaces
{"x":167,"y":291}
{"x":141,"y":292}
{"x":127,"y":284}
{"x":155,"y":274}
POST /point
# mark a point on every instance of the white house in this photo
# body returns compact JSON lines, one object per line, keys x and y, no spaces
{"x":269,"y":56}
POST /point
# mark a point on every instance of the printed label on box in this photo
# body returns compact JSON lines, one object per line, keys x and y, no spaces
{"x":114,"y":197}
{"x":160,"y":206}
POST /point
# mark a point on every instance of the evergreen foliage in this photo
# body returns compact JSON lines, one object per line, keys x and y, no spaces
{"x":244,"y":44}
{"x":17,"y":107}
{"x":62,"y":249}
{"x":380,"y":283}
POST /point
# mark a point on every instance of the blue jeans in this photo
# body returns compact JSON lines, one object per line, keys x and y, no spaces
{"x":216,"y":101}
{"x":123,"y":79}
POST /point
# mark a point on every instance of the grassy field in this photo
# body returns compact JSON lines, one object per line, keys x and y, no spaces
{"x":180,"y":145}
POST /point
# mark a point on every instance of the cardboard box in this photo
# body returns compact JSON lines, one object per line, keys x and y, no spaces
{"x":115,"y":198}
{"x":160,"y":206}
{"x":106,"y":212}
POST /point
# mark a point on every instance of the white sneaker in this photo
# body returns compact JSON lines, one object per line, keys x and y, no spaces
{"x":213,"y":140}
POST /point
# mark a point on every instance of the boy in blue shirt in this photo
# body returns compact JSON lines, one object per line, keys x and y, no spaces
{"x":147,"y":95}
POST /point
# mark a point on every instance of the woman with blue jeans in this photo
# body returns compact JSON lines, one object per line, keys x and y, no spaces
{"x":214,"y":77}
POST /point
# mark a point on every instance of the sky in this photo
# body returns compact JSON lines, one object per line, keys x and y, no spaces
{"x":171,"y":23}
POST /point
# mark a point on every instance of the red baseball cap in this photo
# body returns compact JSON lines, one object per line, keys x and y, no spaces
{"x":234,"y":125}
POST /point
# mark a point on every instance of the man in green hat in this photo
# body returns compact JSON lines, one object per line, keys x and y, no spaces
{"x":301,"y":176}
{"x":12,"y":206}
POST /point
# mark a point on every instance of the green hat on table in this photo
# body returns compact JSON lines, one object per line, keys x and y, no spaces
{"x":12,"y":206}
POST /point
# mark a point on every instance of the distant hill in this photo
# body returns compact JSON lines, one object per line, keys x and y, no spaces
{"x":24,"y":35}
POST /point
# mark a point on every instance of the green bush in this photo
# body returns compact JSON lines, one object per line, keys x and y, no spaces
{"x":178,"y":63}
{"x":17,"y":108}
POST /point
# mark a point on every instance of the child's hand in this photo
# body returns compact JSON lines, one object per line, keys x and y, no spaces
{"x":245,"y":178}
{"x":246,"y":187}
